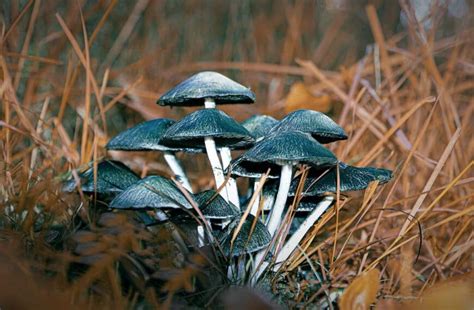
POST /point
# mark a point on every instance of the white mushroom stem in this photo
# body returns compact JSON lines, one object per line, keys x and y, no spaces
{"x":201,"y":236}
{"x":211,"y":150}
{"x":215,"y":165}
{"x":296,"y":238}
{"x":283,"y":189}
{"x":231,"y":185}
{"x":177,"y":169}
{"x":209,"y":103}
{"x":275,"y":217}
{"x":256,"y":203}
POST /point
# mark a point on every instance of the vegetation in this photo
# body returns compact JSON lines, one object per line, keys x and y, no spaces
{"x":75,"y":74}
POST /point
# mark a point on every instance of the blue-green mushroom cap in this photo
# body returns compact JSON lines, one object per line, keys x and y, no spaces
{"x":284,"y":147}
{"x":259,"y":125}
{"x":208,"y":84}
{"x":247,"y":240}
{"x":152,"y":192}
{"x":320,"y":181}
{"x":112,"y":177}
{"x":142,"y":137}
{"x":317,"y":124}
{"x":213,"y":206}
{"x":191,"y":131}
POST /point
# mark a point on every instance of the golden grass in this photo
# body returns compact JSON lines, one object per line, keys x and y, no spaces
{"x":406,"y":104}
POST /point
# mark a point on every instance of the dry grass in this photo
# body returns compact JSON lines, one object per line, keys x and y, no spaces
{"x":73,"y":76}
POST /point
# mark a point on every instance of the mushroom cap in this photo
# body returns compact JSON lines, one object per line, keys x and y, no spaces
{"x":193,"y":128}
{"x":286,"y":147}
{"x":213,"y":206}
{"x":259,"y":125}
{"x":142,"y":137}
{"x":239,"y":167}
{"x":244,"y":243}
{"x":112,"y":177}
{"x":152,"y":192}
{"x":208,"y":84}
{"x":351,"y":179}
{"x":317,"y":124}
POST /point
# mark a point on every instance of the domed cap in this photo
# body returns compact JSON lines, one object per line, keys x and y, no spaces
{"x":259,"y":125}
{"x":152,"y":192}
{"x":317,"y":124}
{"x":239,"y":167}
{"x":244,"y":243}
{"x":351,"y":179}
{"x":213,"y":206}
{"x":289,"y":147}
{"x":142,"y":137}
{"x":193,"y":128}
{"x":112,"y":177}
{"x":207,"y":84}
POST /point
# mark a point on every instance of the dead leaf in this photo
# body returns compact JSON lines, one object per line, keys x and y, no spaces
{"x":361,"y":293}
{"x":300,"y":97}
{"x":453,"y":294}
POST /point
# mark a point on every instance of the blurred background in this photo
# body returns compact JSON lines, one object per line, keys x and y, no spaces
{"x":396,"y":75}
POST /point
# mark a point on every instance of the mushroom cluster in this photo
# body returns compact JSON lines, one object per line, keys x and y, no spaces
{"x":245,"y":227}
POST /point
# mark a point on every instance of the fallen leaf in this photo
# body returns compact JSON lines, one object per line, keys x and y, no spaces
{"x":361,"y":293}
{"x":453,"y":294}
{"x":300,"y":97}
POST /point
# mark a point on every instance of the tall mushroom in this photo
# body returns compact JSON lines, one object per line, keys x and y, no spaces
{"x":286,"y":149}
{"x":198,"y":128}
{"x":319,"y":182}
{"x":146,"y":137}
{"x":209,"y":88}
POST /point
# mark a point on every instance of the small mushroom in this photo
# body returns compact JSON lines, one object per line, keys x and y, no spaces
{"x":146,"y":137}
{"x":208,"y":128}
{"x":246,"y":241}
{"x":112,"y":177}
{"x":213,"y":206}
{"x":317,"y":124}
{"x":259,"y":125}
{"x":241,"y":168}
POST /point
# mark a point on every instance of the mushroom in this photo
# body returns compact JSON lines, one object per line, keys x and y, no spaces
{"x":350,"y":179}
{"x":248,"y":240}
{"x":112,"y":178}
{"x":320,"y":181}
{"x":242,"y":168}
{"x":259,"y":125}
{"x":317,"y":124}
{"x":286,"y":149}
{"x":146,"y":137}
{"x":214,"y":207}
{"x":197,"y":129}
{"x":152,"y":192}
{"x":157,"y":193}
{"x":211,"y":88}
